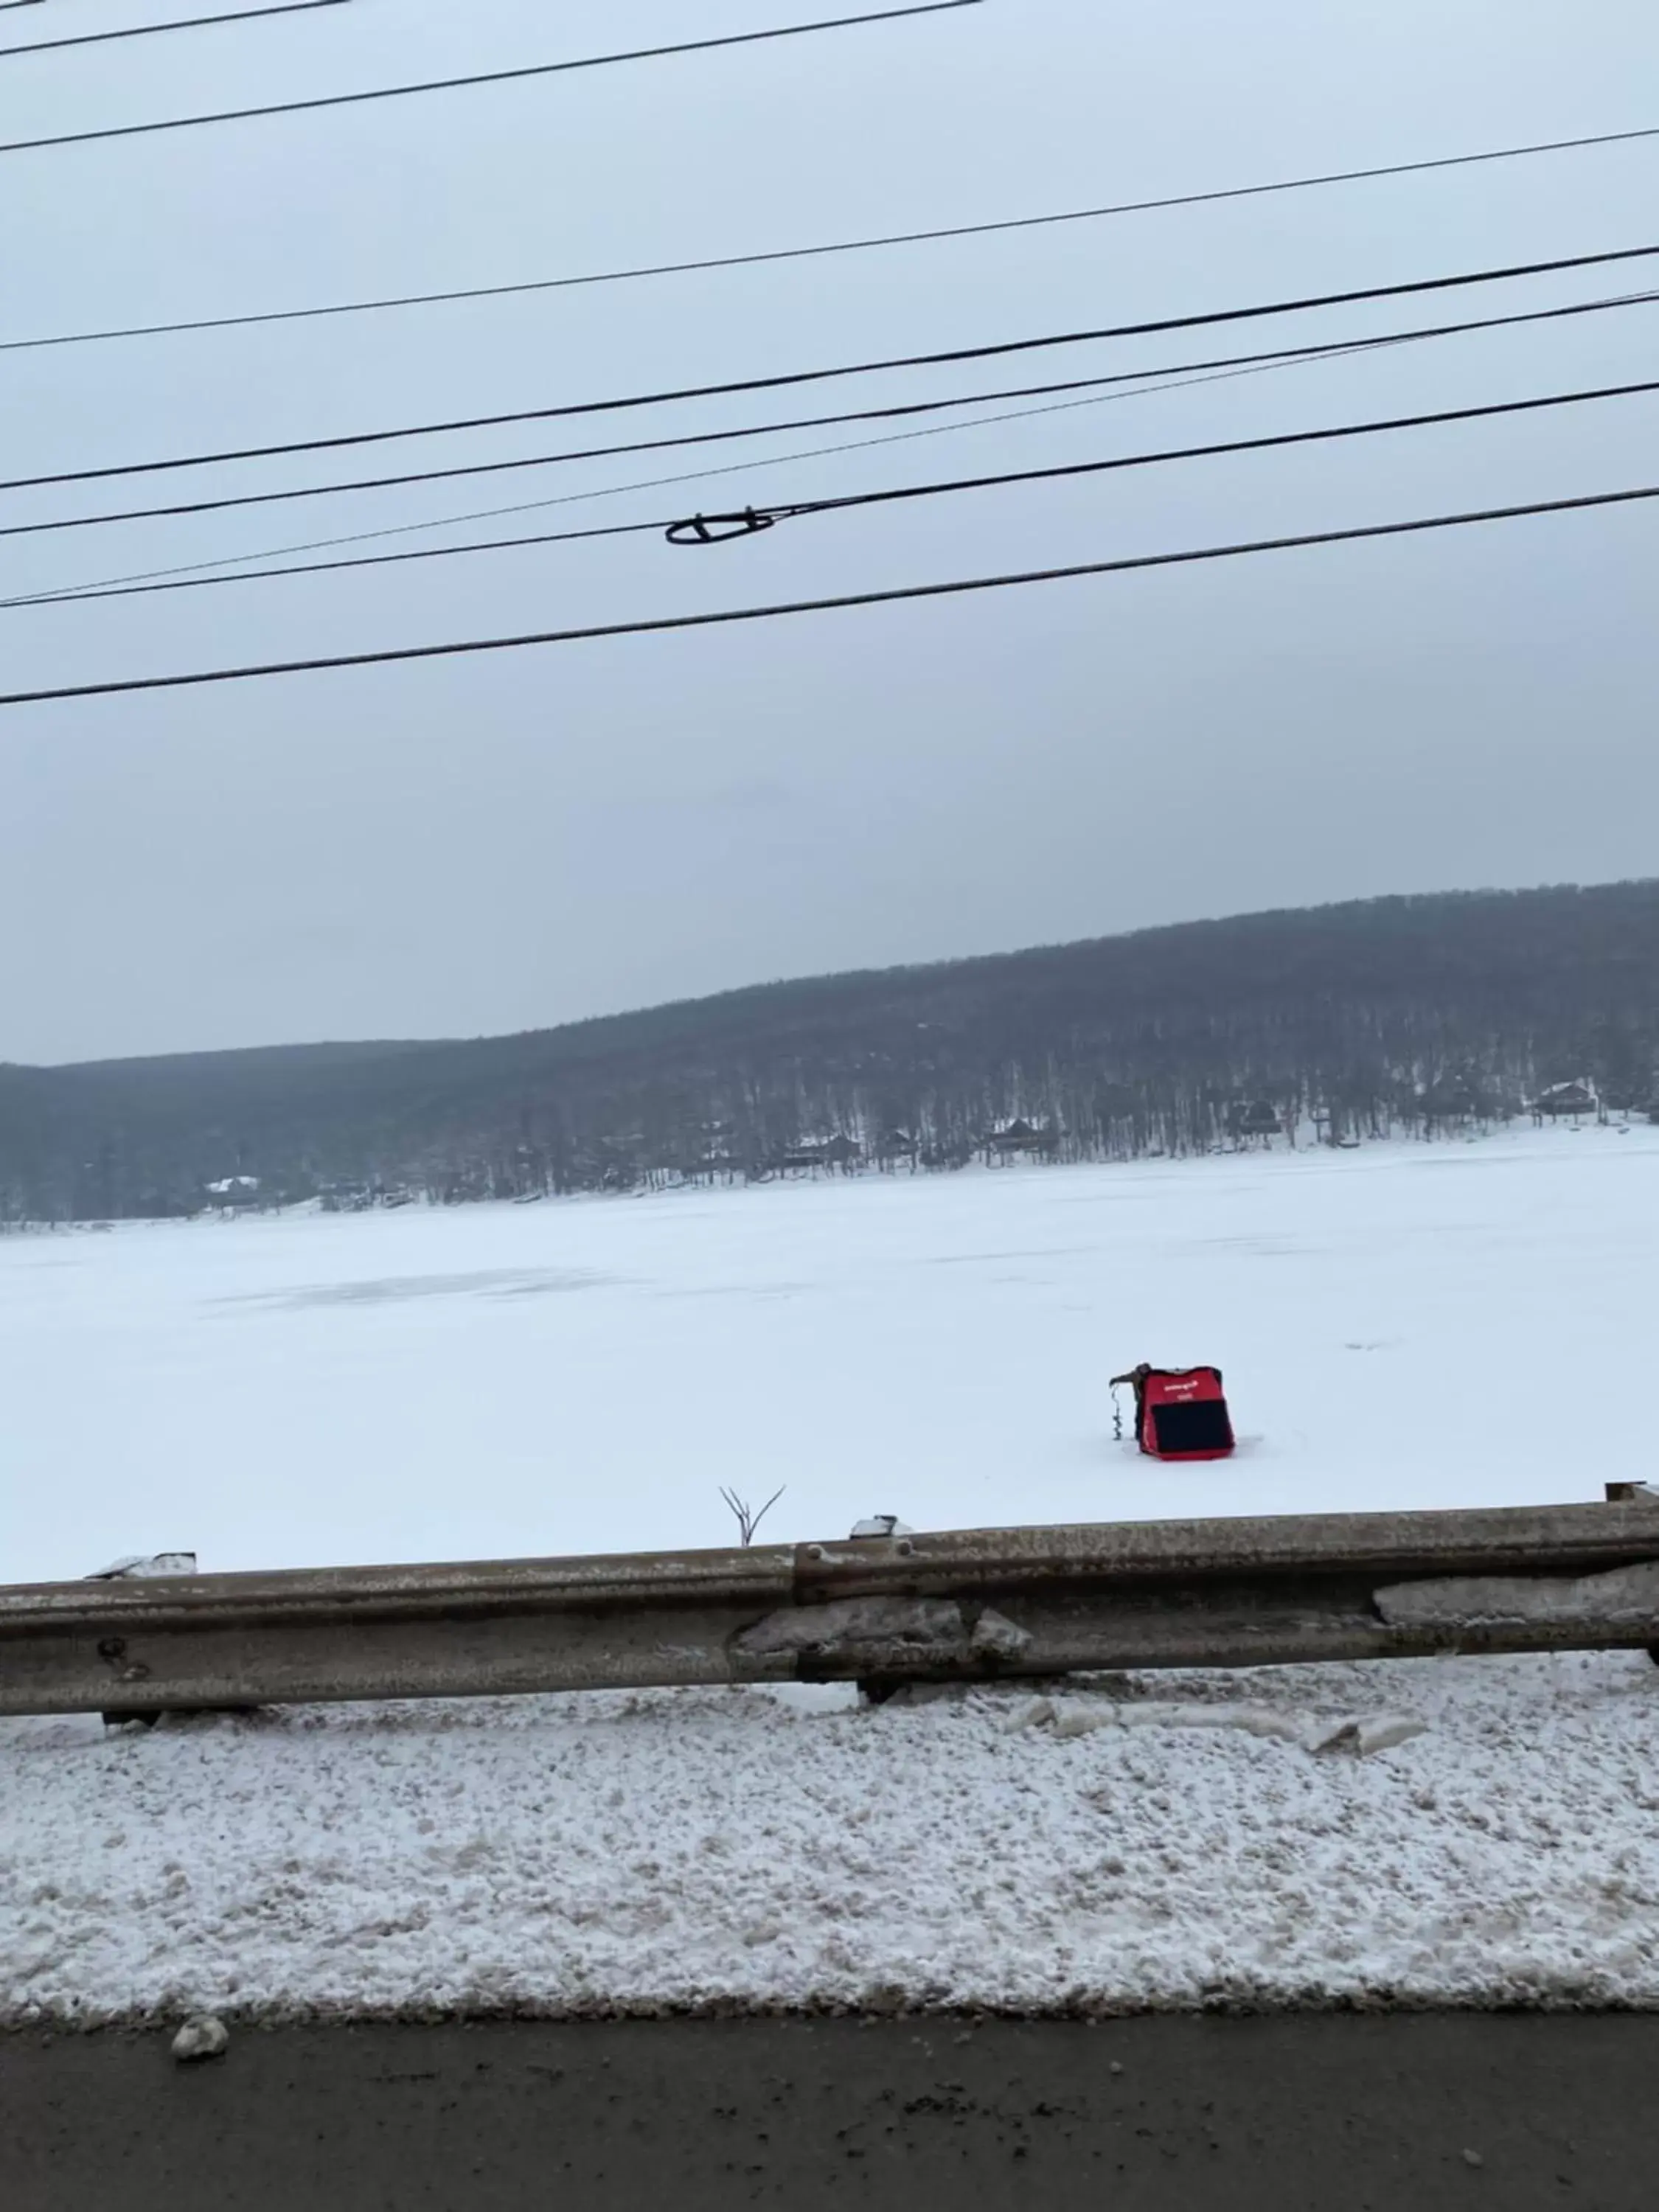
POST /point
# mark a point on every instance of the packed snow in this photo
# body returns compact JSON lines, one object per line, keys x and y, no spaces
{"x":1219,"y":1841}
{"x":1414,"y":1325}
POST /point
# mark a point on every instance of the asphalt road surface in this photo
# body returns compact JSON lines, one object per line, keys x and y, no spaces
{"x":1397,"y":2113}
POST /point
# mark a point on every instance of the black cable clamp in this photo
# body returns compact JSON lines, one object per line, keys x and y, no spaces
{"x":717,"y":529}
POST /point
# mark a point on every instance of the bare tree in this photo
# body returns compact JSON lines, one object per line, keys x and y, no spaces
{"x":748,"y":1518}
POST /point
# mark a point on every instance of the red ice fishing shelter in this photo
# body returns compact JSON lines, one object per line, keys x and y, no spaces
{"x":1180,"y":1413}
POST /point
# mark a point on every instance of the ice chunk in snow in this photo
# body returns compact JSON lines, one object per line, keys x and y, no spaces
{"x":1379,"y":1733}
{"x":1387,"y":1730}
{"x":141,"y":1567}
{"x":202,"y":2038}
{"x":1253,"y":1720}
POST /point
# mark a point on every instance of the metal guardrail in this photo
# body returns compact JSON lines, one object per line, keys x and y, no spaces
{"x":966,"y":1605}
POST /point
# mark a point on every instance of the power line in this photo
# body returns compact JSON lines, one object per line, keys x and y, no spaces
{"x":488,"y":77}
{"x":186,"y":23}
{"x":141,"y":589}
{"x":841,"y":246}
{"x":107,"y":587}
{"x":854,"y":368}
{"x":660,"y":445}
{"x":1276,"y":356}
{"x":761,"y":517}
{"x":764,"y":515}
{"x":190,"y":575}
{"x":661,"y":623}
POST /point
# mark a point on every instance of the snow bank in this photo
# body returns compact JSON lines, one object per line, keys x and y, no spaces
{"x":747,"y":1849}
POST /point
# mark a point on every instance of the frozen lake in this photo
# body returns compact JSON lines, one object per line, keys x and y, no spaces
{"x":1417,"y":1326}
{"x":1405,"y":1325}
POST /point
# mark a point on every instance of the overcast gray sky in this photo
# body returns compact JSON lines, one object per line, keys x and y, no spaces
{"x":511,"y":840}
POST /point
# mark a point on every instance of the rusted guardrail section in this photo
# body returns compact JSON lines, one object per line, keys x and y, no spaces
{"x":967,"y":1604}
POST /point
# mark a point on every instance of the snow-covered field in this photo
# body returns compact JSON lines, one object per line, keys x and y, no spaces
{"x":1419,"y":1326}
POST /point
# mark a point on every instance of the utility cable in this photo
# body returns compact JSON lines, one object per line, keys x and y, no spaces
{"x":186,"y":24}
{"x":661,"y":445}
{"x":1299,"y":305}
{"x":179,"y":582}
{"x":717,"y":529}
{"x":487,"y":76}
{"x":695,"y":529}
{"x":656,"y":625}
{"x":189,"y":575}
{"x":809,"y":253}
{"x":1279,"y":356}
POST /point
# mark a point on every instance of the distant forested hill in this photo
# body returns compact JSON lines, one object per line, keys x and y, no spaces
{"x":1422,"y":1012}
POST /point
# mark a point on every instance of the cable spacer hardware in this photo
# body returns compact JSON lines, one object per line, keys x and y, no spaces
{"x":717,"y":529}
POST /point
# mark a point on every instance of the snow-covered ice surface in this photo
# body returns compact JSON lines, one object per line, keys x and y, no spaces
{"x":1410,"y":1326}
{"x":1405,"y":1325}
